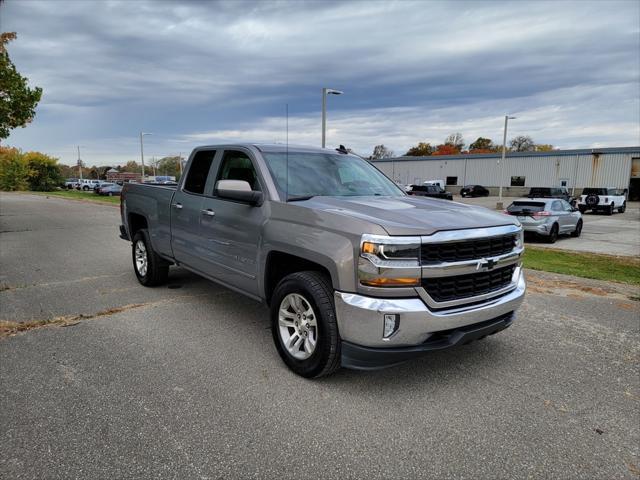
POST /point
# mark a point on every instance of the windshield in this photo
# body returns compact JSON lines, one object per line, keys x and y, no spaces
{"x":326,"y":174}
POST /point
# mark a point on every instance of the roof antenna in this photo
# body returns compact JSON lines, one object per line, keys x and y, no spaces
{"x":286,"y":188}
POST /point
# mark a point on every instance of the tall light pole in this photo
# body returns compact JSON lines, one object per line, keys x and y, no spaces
{"x":504,"y":154}
{"x":142,"y":134}
{"x":79,"y":163}
{"x":325,"y":92}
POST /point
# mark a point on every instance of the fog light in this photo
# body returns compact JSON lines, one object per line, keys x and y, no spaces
{"x":391,"y":324}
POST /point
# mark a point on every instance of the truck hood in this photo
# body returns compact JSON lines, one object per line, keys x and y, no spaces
{"x":410,"y":215}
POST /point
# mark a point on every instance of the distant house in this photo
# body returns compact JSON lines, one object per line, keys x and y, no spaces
{"x":114,"y":175}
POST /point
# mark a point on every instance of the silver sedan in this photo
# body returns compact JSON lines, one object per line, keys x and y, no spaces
{"x":547,"y":217}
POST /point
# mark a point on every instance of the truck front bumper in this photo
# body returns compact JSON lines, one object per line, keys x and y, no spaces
{"x":420,"y":329}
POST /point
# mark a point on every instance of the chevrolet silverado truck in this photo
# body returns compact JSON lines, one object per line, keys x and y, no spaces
{"x":356,"y":272}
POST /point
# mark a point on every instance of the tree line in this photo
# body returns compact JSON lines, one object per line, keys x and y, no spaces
{"x":454,"y":144}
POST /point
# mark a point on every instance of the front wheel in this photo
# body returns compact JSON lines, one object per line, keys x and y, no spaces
{"x":151,"y":270}
{"x":622,"y":208}
{"x":304,"y":325}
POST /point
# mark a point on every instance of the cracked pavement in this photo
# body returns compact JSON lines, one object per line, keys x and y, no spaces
{"x":189,"y":385}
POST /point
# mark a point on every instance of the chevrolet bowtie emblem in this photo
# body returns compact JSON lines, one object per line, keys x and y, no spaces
{"x":486,"y":264}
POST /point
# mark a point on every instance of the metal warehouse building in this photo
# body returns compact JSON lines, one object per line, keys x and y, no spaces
{"x":575,"y":169}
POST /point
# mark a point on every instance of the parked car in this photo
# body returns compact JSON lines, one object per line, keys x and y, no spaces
{"x":110,"y":190}
{"x":603,"y":200}
{"x":547,"y":217}
{"x":434,"y":191}
{"x":100,"y":184}
{"x":69,"y":183}
{"x":550,"y":192}
{"x":86,"y":184}
{"x":356,"y":272}
{"x":439,"y":183}
{"x":474,"y":191}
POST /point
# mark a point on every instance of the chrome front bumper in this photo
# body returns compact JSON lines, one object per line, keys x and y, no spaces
{"x":361,"y":319}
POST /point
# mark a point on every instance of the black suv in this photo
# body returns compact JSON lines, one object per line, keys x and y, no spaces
{"x":550,"y":192}
{"x":474,"y":191}
{"x":434,"y":191}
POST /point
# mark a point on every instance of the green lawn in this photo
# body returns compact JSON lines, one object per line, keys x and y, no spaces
{"x":587,"y":265}
{"x":78,"y":195}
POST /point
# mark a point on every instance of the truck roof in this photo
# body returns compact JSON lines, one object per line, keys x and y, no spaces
{"x":274,"y":147}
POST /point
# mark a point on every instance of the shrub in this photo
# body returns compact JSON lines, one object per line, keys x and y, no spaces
{"x":14,"y":170}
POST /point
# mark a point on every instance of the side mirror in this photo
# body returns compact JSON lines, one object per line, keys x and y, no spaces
{"x":238,"y":190}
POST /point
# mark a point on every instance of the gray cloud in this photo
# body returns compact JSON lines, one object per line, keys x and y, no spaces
{"x":193,"y":72}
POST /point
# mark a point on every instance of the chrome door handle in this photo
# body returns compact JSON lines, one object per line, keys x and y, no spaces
{"x":208,"y":211}
{"x":177,"y":205}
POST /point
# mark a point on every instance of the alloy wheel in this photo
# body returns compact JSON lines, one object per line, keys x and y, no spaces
{"x":141,"y":258}
{"x":297,"y":326}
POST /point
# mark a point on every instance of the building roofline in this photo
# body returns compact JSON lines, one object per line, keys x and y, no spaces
{"x":552,"y":153}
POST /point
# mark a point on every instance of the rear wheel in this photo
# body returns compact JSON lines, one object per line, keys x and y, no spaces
{"x":578,"y":230}
{"x":150,"y":269}
{"x":610,"y":209}
{"x":553,"y":234}
{"x":304,"y":326}
{"x":622,"y":208}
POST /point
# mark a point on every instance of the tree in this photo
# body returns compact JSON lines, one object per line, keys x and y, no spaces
{"x":132,"y":167}
{"x":544,"y":147}
{"x":446,"y":149}
{"x":522,"y":143}
{"x":169,"y":166}
{"x":420,"y":150}
{"x":482,"y":145}
{"x":14,"y":170}
{"x":455,"y":140}
{"x":380,"y":151}
{"x":17,"y":100}
{"x":44,"y":172}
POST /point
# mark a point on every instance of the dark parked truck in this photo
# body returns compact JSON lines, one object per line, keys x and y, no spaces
{"x":356,"y":272}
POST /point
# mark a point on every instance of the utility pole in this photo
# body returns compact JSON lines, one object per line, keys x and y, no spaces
{"x":499,"y":206}
{"x":180,"y":162}
{"x":142,"y":134}
{"x":325,"y":92}
{"x":79,"y":163}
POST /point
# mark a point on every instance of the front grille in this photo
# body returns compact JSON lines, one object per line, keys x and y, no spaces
{"x":463,"y":286}
{"x":468,"y":249}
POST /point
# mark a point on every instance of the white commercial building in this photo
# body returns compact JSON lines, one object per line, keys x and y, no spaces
{"x":575,"y":169}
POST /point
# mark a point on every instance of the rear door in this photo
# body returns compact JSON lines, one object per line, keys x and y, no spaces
{"x":564,"y":221}
{"x":186,"y":210}
{"x":233,"y":229}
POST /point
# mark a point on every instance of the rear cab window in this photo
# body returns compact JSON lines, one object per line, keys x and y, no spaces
{"x":199,"y":172}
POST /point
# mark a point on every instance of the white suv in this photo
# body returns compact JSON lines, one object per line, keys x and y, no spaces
{"x":86,"y":184}
{"x":602,"y":199}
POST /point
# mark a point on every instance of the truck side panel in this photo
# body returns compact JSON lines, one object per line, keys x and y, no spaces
{"x":153,"y":204}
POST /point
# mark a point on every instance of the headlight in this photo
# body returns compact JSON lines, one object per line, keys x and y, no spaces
{"x":520,"y":239}
{"x":389,"y":261}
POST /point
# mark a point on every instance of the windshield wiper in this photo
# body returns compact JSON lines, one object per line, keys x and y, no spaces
{"x":299,"y":198}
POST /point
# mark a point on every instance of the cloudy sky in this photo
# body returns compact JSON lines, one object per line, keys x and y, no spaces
{"x":196,"y":73}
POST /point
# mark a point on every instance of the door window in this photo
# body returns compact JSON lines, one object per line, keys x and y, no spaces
{"x":199,"y":171}
{"x":556,"y":206}
{"x":237,"y":166}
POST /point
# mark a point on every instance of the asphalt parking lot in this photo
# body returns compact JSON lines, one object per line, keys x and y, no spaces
{"x":183,"y":381}
{"x":618,"y":234}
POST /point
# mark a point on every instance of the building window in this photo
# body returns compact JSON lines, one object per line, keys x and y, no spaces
{"x":517,"y":181}
{"x":452,"y":180}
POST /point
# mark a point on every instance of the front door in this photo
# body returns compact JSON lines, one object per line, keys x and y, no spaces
{"x":186,"y":210}
{"x":233,"y":229}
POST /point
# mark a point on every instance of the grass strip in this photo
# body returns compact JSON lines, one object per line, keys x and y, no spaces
{"x":587,"y":265}
{"x":78,"y":195}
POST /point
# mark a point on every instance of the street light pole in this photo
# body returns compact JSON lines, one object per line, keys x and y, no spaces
{"x":142,"y":134}
{"x":325,"y":92}
{"x":79,"y":163}
{"x":504,"y":154}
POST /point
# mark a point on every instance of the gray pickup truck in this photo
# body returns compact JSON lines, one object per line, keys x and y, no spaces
{"x":356,"y":272}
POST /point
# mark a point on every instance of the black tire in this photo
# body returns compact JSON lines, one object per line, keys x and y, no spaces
{"x":622,"y":208}
{"x":157,"y":269}
{"x":582,"y":209}
{"x":317,"y":291}
{"x":576,"y":233}
{"x":609,"y":210}
{"x":553,"y":234}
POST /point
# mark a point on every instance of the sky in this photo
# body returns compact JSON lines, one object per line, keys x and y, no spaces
{"x":197,"y":73}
